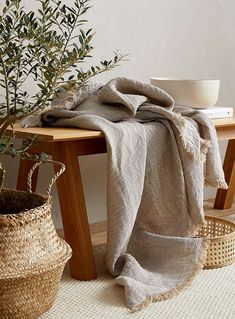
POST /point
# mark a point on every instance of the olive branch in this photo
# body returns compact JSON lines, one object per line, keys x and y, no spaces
{"x":45,"y":48}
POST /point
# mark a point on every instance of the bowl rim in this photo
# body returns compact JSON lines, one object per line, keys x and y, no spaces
{"x":184,"y":80}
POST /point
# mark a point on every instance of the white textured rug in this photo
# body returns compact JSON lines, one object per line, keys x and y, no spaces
{"x":212,"y":296}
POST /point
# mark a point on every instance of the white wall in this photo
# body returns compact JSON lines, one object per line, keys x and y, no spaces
{"x":165,"y":38}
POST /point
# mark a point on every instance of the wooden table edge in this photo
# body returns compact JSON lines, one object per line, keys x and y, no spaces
{"x":225,"y":130}
{"x":55,"y":134}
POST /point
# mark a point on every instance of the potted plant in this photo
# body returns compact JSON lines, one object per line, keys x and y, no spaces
{"x":44,"y":48}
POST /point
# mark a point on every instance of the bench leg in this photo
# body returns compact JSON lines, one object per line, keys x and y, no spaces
{"x":224,"y":198}
{"x":73,"y":211}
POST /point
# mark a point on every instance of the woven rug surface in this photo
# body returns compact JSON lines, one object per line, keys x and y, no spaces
{"x":211,"y":296}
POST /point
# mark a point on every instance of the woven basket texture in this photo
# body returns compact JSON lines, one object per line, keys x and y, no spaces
{"x":32,"y":256}
{"x":221,"y":237}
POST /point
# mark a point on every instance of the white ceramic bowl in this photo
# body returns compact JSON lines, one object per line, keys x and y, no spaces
{"x":191,"y":93}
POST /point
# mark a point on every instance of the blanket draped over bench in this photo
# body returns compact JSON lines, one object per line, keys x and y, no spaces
{"x":159,"y":158}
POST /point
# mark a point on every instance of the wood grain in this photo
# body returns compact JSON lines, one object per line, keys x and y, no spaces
{"x":224,"y":198}
{"x":210,"y":210}
{"x":55,"y":134}
{"x":225,"y":130}
{"x":73,"y":211}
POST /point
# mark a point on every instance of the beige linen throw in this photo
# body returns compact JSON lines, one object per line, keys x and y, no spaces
{"x":159,"y":157}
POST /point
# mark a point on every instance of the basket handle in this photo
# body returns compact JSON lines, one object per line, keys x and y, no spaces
{"x":54,"y":179}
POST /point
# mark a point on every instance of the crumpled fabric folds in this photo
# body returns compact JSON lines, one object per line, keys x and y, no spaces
{"x":160,"y":156}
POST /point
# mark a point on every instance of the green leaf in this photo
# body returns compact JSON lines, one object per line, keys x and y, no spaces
{"x":42,"y":47}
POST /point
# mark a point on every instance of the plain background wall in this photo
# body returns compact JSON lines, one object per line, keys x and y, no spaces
{"x":164,"y":38}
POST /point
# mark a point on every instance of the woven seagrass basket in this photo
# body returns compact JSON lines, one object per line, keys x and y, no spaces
{"x":32,"y":256}
{"x":221,"y":235}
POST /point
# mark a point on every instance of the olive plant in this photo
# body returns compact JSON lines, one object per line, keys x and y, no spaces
{"x":45,"y":48}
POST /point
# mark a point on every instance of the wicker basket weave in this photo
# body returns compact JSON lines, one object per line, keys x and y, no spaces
{"x":32,"y":256}
{"x":221,"y":234}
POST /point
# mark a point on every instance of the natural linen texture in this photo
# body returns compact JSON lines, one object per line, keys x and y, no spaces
{"x":159,"y":157}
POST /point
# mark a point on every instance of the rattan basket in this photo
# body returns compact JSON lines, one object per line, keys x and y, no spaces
{"x":221,"y":235}
{"x":32,"y":256}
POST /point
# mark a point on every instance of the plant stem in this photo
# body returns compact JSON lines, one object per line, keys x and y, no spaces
{"x":70,"y":34}
{"x":9,"y":121}
{"x":6,"y":87}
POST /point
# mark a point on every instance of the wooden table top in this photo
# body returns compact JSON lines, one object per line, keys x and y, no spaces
{"x":56,"y":134}
{"x":225,"y":130}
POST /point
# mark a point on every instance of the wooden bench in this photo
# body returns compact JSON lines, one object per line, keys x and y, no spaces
{"x":65,"y":145}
